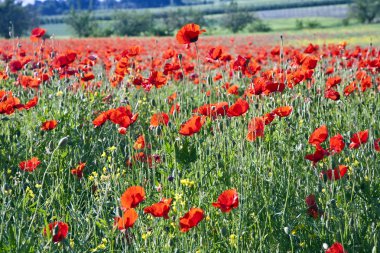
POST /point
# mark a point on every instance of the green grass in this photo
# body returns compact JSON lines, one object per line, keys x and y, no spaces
{"x":355,"y":34}
{"x":59,"y":30}
{"x":288,"y":24}
{"x":271,"y":174}
{"x":65,"y":31}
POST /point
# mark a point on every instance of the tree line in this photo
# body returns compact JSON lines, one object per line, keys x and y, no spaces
{"x":58,"y":7}
{"x":16,"y":19}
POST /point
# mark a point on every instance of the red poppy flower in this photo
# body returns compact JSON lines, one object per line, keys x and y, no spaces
{"x":213,"y":110}
{"x":318,"y":155}
{"x":122,"y":130}
{"x":160,"y":209}
{"x":88,"y":77}
{"x":121,"y":116}
{"x":101,"y":119}
{"x":295,"y":78}
{"x":309,"y":62}
{"x":337,"y":143}
{"x":127,"y":221}
{"x":121,"y":120}
{"x":319,"y":135}
{"x":239,"y":108}
{"x":240,"y":64}
{"x":29,"y":165}
{"x":134,"y":51}
{"x":312,"y":209}
{"x":255,"y":128}
{"x":8,"y":103}
{"x":329,"y":70}
{"x":227,"y":201}
{"x":283,"y":111}
{"x":133,"y":196}
{"x":349,"y":89}
{"x":358,"y":139}
{"x":365,"y":83}
{"x":31,"y":103}
{"x":78,"y":171}
{"x":377,"y":144}
{"x":29,"y":81}
{"x":172,"y":69}
{"x":15,"y":66}
{"x":158,"y":119}
{"x":269,"y":117}
{"x":37,"y":33}
{"x":134,"y":118}
{"x":189,"y":33}
{"x":174,"y":109}
{"x":49,"y":125}
{"x":252,"y":68}
{"x":191,"y":219}
{"x":233,"y":90}
{"x":310,"y":200}
{"x":336,"y":173}
{"x":139,"y":143}
{"x":336,"y":248}
{"x":192,"y":126}
{"x":58,"y":230}
{"x":215,"y":53}
{"x":172,"y":97}
{"x":332,"y":94}
{"x":311,"y":48}
{"x":157,"y":79}
{"x":270,"y":87}
{"x":332,"y":82}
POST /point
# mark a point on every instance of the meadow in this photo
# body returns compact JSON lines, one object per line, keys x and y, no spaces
{"x":218,"y":144}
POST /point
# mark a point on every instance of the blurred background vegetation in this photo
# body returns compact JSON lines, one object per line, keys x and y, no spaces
{"x":94,"y":18}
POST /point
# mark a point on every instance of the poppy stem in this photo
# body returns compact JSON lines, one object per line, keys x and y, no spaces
{"x":198,"y":64}
{"x":180,"y":64}
{"x":281,"y":66}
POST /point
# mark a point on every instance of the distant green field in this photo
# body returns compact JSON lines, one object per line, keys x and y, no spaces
{"x":249,"y":1}
{"x":62,"y":30}
{"x":332,"y":32}
{"x":216,"y":8}
{"x":288,"y":24}
{"x":59,"y":30}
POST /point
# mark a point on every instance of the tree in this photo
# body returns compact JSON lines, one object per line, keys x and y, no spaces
{"x":149,"y":3}
{"x":14,"y":19}
{"x":51,"y":7}
{"x":237,"y":19}
{"x":82,"y":23}
{"x":82,"y":4}
{"x":173,"y":20}
{"x":133,"y":23}
{"x":365,"y":10}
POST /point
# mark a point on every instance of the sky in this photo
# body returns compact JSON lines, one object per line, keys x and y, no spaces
{"x":25,"y":2}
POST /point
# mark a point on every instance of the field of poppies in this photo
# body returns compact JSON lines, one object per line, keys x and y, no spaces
{"x":188,"y":144}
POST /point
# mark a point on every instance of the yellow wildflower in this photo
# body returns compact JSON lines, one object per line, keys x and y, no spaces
{"x":233,"y":239}
{"x":111,"y":149}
